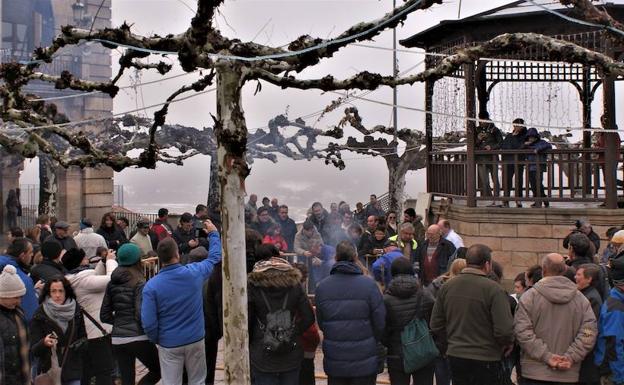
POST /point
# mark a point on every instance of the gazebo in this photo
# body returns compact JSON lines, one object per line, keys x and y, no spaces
{"x":571,"y":175}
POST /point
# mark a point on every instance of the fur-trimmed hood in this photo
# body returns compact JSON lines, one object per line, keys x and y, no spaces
{"x":275,"y":278}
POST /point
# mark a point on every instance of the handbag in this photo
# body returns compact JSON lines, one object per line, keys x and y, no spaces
{"x":53,"y":375}
{"x":417,"y":344}
{"x":105,"y":334}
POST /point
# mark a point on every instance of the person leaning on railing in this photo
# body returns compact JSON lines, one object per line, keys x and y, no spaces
{"x":537,"y":164}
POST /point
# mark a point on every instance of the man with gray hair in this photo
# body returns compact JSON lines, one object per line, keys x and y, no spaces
{"x":555,"y":304}
{"x":405,"y":240}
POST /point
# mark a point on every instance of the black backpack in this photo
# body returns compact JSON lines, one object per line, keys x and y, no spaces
{"x":279,"y":330}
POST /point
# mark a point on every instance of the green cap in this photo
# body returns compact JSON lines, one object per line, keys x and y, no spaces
{"x":128,"y":254}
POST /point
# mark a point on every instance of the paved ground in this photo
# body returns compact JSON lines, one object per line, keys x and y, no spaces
{"x":318,"y":362}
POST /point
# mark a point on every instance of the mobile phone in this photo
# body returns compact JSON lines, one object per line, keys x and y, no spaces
{"x":53,"y":335}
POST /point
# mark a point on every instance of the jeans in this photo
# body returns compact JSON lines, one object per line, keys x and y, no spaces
{"x":212,"y":348}
{"x":513,"y":181}
{"x":144,"y":351}
{"x":442,"y":371}
{"x":536,"y":180}
{"x":366,"y":380}
{"x":306,"y":375}
{"x":484,"y":172}
{"x":280,"y":378}
{"x":423,"y":376}
{"x":191,"y":357}
{"x":473,"y":372}
{"x":98,"y":362}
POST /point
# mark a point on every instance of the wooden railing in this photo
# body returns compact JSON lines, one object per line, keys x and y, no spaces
{"x":569,"y":175}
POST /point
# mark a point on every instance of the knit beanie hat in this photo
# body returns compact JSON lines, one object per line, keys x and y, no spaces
{"x":51,"y":250}
{"x":128,"y":254}
{"x":11,"y":285}
{"x":72,"y":258}
{"x":617,"y":271}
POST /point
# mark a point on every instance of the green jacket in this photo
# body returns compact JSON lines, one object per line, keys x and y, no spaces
{"x":473,"y":315}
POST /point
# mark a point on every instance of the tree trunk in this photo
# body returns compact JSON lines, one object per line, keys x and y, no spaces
{"x":396,"y":186}
{"x":231,"y":135}
{"x":214,"y":190}
{"x":48,"y":186}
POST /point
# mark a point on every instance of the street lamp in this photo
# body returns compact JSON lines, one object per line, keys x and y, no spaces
{"x":79,"y":11}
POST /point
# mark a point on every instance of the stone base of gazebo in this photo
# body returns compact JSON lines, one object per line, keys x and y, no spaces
{"x":519,"y":237}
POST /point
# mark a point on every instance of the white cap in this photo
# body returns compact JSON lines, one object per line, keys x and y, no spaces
{"x":11,"y":285}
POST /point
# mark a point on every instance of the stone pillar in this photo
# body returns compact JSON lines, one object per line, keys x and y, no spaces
{"x":97,"y":192}
{"x":70,"y":200}
{"x":9,"y":180}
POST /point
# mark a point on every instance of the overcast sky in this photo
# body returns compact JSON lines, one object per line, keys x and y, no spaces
{"x":276,"y":23}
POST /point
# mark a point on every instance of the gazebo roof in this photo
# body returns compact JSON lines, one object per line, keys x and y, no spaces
{"x":517,"y":16}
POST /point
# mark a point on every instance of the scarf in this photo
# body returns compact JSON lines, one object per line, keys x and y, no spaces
{"x":24,"y":347}
{"x":61,"y":314}
{"x":79,"y":269}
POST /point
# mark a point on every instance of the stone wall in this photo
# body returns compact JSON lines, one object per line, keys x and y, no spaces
{"x":520,"y":237}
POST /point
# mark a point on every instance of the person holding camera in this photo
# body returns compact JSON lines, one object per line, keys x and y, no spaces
{"x":277,"y":301}
{"x":584,"y":227}
{"x":58,"y":324}
{"x":175,"y":294}
{"x":188,"y":237}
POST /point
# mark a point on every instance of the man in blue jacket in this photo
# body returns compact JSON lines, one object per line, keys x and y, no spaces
{"x":609,"y":353}
{"x":172,"y":310}
{"x":381,"y":267}
{"x":351,"y":313}
{"x":20,"y":253}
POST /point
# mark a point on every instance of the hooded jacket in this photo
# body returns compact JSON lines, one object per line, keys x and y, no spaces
{"x":352,"y":316}
{"x":553,"y":303}
{"x":121,"y":306}
{"x":538,"y":148}
{"x":29,"y":301}
{"x":275,"y":285}
{"x":90,"y":286}
{"x":610,"y":345}
{"x":404,"y":301}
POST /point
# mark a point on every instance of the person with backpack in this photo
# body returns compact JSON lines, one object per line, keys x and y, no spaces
{"x":405,"y":302}
{"x":279,"y":314}
{"x":352,"y":316}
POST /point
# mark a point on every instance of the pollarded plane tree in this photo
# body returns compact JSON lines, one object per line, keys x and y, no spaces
{"x":230,"y":63}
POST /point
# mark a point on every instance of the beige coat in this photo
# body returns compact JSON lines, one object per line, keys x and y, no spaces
{"x":90,"y":286}
{"x":554,"y":318}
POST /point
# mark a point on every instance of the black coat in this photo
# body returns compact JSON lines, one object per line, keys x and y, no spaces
{"x":445,"y":251}
{"x":275,"y":285}
{"x":66,"y":243}
{"x":404,"y":301}
{"x":289,"y":230}
{"x":47,"y":270}
{"x":514,"y":142}
{"x":213,"y":305}
{"x":590,"y":373}
{"x":121,"y":306}
{"x":42,"y":325}
{"x":9,"y":339}
{"x":183,"y":238}
{"x":114,"y":236}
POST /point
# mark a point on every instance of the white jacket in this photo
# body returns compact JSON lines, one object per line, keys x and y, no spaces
{"x":90,"y":287}
{"x":88,"y":240}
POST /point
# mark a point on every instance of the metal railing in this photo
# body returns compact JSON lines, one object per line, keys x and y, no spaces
{"x":569,"y":175}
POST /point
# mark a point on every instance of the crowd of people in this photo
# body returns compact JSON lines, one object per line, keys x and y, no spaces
{"x":388,"y":294}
